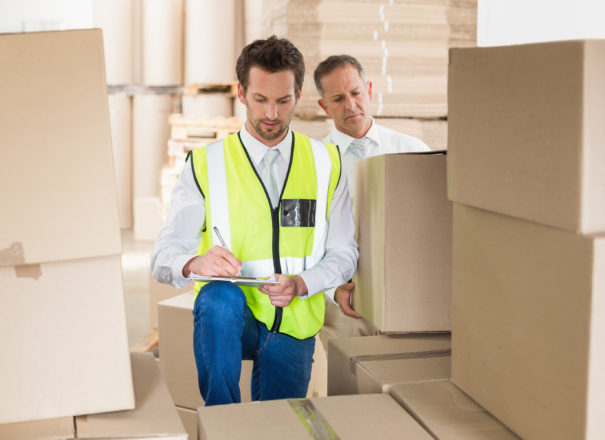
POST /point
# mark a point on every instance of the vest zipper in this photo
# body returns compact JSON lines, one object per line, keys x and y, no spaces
{"x":276,"y":264}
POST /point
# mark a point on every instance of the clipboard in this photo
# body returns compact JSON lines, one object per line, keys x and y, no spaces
{"x":240,"y":281}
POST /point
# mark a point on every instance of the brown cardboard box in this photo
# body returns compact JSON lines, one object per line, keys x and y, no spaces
{"x":526,"y":132}
{"x":528,"y":328}
{"x":404,"y":231}
{"x":159,"y":292}
{"x":154,"y":417}
{"x":345,"y":356}
{"x":176,"y":353}
{"x":49,"y":429}
{"x":447,"y":413}
{"x":318,"y":385}
{"x":189,"y":419}
{"x":64,"y":343}
{"x":360,"y":417}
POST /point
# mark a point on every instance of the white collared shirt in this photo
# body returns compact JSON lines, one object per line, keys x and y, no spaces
{"x":383,"y":141}
{"x":181,"y":234}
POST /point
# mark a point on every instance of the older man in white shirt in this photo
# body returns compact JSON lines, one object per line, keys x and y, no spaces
{"x":346,"y":96}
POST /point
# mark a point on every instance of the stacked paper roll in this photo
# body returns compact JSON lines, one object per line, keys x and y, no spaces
{"x":162,"y":30}
{"x":253,"y":10}
{"x":207,"y":105}
{"x":115,"y":17}
{"x":120,"y":112}
{"x":151,"y":132}
{"x":210,"y":46}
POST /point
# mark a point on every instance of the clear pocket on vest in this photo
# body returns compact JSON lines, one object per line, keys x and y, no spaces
{"x":298,"y":213}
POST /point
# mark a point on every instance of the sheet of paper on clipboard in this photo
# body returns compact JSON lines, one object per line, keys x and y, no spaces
{"x":241,"y":281}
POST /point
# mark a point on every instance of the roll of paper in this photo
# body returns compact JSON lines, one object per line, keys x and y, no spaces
{"x":120,"y":113}
{"x":151,"y":132}
{"x":210,"y":41}
{"x":115,"y":17}
{"x":162,"y":25}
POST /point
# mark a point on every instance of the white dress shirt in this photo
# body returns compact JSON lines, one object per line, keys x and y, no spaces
{"x":383,"y":140}
{"x":181,"y":234}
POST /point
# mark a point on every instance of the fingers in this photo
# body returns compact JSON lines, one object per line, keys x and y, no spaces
{"x":280,"y":295}
{"x":344,"y":297}
{"x":221,"y":262}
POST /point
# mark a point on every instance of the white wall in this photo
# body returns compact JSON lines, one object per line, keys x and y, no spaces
{"x":503,"y":22}
{"x":44,"y":15}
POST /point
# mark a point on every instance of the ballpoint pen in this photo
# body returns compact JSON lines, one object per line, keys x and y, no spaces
{"x":218,"y":234}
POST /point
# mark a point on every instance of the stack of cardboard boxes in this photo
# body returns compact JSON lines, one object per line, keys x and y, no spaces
{"x":64,"y":344}
{"x":526,"y":173}
{"x":402,"y":46}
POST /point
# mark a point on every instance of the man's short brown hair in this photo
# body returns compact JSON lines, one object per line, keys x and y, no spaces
{"x":272,"y":55}
{"x":335,"y":62}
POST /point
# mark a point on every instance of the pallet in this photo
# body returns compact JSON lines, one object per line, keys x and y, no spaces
{"x":201,"y":131}
{"x":148,"y":343}
{"x":227,"y":87}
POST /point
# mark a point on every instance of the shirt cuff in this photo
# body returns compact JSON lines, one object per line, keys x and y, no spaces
{"x":329,"y":293}
{"x":178,"y":280}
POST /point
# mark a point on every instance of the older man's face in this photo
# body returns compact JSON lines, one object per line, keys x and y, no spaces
{"x":346,"y":99}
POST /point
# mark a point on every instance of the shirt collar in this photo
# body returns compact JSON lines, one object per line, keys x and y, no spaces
{"x":344,"y":140}
{"x":256,"y":149}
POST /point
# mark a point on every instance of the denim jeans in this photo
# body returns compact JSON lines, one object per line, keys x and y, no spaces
{"x":225,"y":332}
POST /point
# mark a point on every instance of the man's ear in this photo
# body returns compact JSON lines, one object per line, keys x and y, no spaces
{"x":241,"y":94}
{"x":322,"y":104}
{"x":298,"y":95}
{"x":370,"y":89}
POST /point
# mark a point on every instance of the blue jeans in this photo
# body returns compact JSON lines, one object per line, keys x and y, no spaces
{"x":225,"y":332}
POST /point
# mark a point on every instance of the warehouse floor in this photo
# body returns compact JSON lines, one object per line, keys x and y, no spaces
{"x":135,"y":267}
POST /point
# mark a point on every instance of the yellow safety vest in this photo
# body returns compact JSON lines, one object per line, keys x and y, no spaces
{"x":288,"y":239}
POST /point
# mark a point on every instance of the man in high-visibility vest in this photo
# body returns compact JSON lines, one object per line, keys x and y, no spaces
{"x":265,"y":201}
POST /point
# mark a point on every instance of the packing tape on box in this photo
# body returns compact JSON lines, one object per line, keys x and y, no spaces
{"x":394,"y":356}
{"x":313,"y":421}
{"x":14,"y":256}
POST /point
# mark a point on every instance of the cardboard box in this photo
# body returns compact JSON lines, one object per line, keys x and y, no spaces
{"x":345,"y":356}
{"x":447,"y":413}
{"x":528,"y":328}
{"x":159,"y":292}
{"x":50,"y":429}
{"x":318,"y":385}
{"x":155,"y":416}
{"x":526,"y":132}
{"x":64,"y":346}
{"x":189,"y":419}
{"x":176,"y":353}
{"x":347,"y":417}
{"x":404,"y":231}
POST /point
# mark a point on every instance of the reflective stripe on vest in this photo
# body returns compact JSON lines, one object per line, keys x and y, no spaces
{"x":236,"y":203}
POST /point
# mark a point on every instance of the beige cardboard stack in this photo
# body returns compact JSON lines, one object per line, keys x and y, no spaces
{"x":178,"y":363}
{"x":403,"y":226}
{"x":177,"y":360}
{"x":526,"y":171}
{"x":371,"y":364}
{"x":402,"y":45}
{"x":64,"y":345}
{"x":359,"y":417}
{"x":154,"y":416}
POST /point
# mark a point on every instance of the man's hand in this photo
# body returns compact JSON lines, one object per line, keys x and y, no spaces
{"x":218,"y":261}
{"x":344,"y":296}
{"x":282,"y":294}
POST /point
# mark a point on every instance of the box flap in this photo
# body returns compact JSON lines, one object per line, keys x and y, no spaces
{"x":49,"y":429}
{"x":448,"y":413}
{"x":154,"y":416}
{"x":57,"y":183}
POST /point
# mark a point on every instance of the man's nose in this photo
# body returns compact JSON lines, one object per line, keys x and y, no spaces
{"x":271,"y":111}
{"x":350,"y":103}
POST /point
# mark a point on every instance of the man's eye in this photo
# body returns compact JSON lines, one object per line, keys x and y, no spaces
{"x":337,"y":99}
